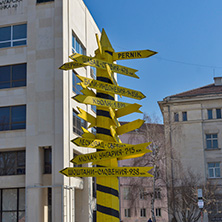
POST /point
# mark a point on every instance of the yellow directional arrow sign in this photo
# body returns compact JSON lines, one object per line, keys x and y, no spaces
{"x":87,"y":117}
{"x":125,"y":128}
{"x":71,"y":65}
{"x":133,"y":54}
{"x":98,"y":144}
{"x":107,"y":171}
{"x":98,"y":63}
{"x":88,"y":92}
{"x":128,"y":110}
{"x":114,"y":134}
{"x":113,"y":116}
{"x":100,"y":102}
{"x":112,"y":153}
{"x":110,"y":88}
{"x":86,"y":134}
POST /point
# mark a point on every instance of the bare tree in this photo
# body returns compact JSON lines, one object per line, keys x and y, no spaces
{"x":147,"y":189}
{"x":183,"y":199}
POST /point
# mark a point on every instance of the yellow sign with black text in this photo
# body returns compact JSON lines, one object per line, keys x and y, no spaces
{"x":106,"y":171}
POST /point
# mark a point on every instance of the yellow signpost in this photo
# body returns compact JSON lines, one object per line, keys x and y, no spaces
{"x":95,"y":101}
{"x":111,"y":153}
{"x":107,"y":87}
{"x":109,"y":148}
{"x":133,"y":54}
{"x":107,"y":171}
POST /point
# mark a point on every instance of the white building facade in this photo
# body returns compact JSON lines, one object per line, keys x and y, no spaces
{"x":37,"y":115}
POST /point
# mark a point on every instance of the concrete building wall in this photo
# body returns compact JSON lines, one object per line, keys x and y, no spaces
{"x":49,"y":107}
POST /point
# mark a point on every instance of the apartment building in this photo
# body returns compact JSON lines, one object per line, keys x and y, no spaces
{"x":38,"y":118}
{"x":136,"y":194}
{"x":193,"y":135}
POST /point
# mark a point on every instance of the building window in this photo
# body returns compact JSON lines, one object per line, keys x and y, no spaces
{"x":49,"y":204}
{"x":142,"y":194}
{"x":211,"y":141}
{"x":127,"y":213}
{"x":12,"y":118}
{"x":184,"y":115}
{"x":12,"y":76}
{"x":126,"y":193}
{"x":143,"y":212}
{"x":14,"y":35}
{"x":158,"y":212}
{"x":176,"y":117}
{"x":47,"y":160}
{"x":94,"y":186}
{"x":12,"y":163}
{"x":157,"y":194}
{"x":78,"y":123}
{"x":210,"y":113}
{"x":12,"y":202}
{"x":77,"y":46}
{"x":42,"y":1}
{"x":214,"y":170}
{"x":218,"y":113}
{"x":75,"y":84}
{"x":93,"y":72}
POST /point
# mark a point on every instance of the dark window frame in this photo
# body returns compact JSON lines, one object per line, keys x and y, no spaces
{"x":210,"y":114}
{"x":176,"y":117}
{"x":158,"y":212}
{"x":47,"y":160}
{"x":11,"y":83}
{"x":211,"y":141}
{"x":17,"y":168}
{"x":18,"y":210}
{"x":44,"y":1}
{"x":10,"y":124}
{"x":77,"y":123}
{"x":143,"y":212}
{"x":184,"y":116}
{"x":218,"y":114}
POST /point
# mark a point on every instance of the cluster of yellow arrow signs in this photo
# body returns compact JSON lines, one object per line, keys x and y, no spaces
{"x":117,"y":109}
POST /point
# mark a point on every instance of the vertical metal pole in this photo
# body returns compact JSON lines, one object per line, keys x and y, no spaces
{"x":107,"y":188}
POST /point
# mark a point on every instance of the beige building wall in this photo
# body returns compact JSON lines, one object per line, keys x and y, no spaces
{"x":49,"y":107}
{"x":186,"y":138}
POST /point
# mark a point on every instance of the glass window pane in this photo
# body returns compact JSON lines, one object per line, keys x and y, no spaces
{"x":5,"y":44}
{"x":5,"y":33}
{"x":211,"y":173}
{"x":21,"y":199}
{"x":4,"y":118}
{"x":215,"y":144}
{"x":4,"y":85}
{"x":19,"y":72}
{"x":208,"y":144}
{"x":21,"y":158}
{"x":19,"y":83}
{"x":17,"y":43}
{"x":9,"y":217}
{"x":208,"y":136}
{"x":217,"y":172}
{"x":210,"y":114}
{"x":18,"y":114}
{"x":211,"y":164}
{"x":9,"y":199}
{"x":214,"y":135}
{"x":4,"y":73}
{"x":19,"y":31}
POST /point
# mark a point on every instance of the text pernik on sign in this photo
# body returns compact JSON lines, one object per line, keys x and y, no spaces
{"x":107,"y":171}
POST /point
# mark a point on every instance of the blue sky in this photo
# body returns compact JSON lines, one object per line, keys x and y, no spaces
{"x":186,"y":34}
